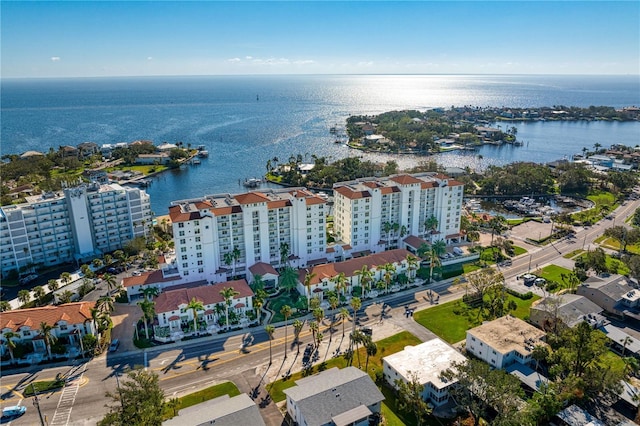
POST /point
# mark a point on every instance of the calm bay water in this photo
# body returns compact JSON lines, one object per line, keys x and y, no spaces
{"x":293,"y":115}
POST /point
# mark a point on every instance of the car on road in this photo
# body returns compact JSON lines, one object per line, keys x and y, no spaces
{"x":136,"y":273}
{"x":540,"y":282}
{"x":366,"y":330}
{"x":115,"y":343}
{"x":13,"y":411}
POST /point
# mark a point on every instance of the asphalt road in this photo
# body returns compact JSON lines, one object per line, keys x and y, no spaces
{"x":196,"y":364}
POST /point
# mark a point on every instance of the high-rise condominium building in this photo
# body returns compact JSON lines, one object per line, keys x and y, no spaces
{"x":377,"y":213}
{"x":219,"y":236}
{"x":75,"y":224}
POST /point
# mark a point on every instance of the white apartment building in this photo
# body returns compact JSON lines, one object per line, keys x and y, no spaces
{"x":367,"y":210}
{"x":255,"y":225}
{"x":74,"y":224}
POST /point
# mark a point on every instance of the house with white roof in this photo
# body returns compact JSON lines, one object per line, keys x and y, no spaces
{"x":504,"y":341}
{"x":426,"y":361}
{"x":337,"y":397}
{"x":221,"y":411}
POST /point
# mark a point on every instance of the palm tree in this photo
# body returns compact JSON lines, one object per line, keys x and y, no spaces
{"x":333,"y":303}
{"x":438,"y":248}
{"x":388,"y":269}
{"x":286,"y":313}
{"x":38,"y":293}
{"x":47,"y":335}
{"x":65,"y":277}
{"x":431,"y":224}
{"x":297,"y":328}
{"x":110,"y":280}
{"x":65,"y":297}
{"x":228,"y":259}
{"x":97,"y":263}
{"x":344,"y":315}
{"x":148,"y":311}
{"x":270,"y":330}
{"x":497,"y":224}
{"x":340,"y":282}
{"x":307,"y":284}
{"x":366,"y":276}
{"x":289,"y":279}
{"x":149,"y":292}
{"x":625,"y":342}
{"x":257,"y":283}
{"x":228,"y":293}
{"x":173,"y":404}
{"x":284,"y":254}
{"x":386,"y":228}
{"x":412,"y":262}
{"x":11,"y":345}
{"x":4,"y":306}
{"x":372,"y":350}
{"x":52,"y":285}
{"x":258,"y":303}
{"x":313,"y":326}
{"x":318,"y":314}
{"x":24,"y":296}
{"x":105,"y":304}
{"x":355,"y":304}
{"x":195,"y":306}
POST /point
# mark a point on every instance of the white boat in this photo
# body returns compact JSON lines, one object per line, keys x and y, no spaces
{"x":252,"y":183}
{"x":203,"y":154}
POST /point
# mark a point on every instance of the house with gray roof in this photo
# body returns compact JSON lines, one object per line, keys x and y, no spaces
{"x":221,"y":411}
{"x":568,"y":310}
{"x":615,"y":294}
{"x":335,"y":397}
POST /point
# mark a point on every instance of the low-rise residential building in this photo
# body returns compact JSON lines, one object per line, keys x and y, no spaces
{"x":175,"y":318}
{"x":337,"y":397}
{"x":161,"y":279}
{"x":321,"y":276}
{"x":615,"y":294}
{"x":70,"y":322}
{"x":504,"y":341}
{"x":76,"y":224}
{"x":221,"y":411}
{"x":565,"y":311}
{"x":267,"y":274}
{"x":426,"y":361}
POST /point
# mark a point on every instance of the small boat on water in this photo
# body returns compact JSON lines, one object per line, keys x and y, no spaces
{"x":252,"y":182}
{"x":201,"y":147}
{"x":203,"y":154}
{"x":195,"y":162}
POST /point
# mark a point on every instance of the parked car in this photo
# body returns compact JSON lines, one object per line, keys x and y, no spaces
{"x":13,"y":411}
{"x":115,"y":343}
{"x":540,"y":282}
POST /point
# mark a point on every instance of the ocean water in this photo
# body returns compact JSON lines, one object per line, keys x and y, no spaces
{"x":245,"y":120}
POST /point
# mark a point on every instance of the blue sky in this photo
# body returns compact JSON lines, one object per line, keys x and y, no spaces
{"x":83,"y":39}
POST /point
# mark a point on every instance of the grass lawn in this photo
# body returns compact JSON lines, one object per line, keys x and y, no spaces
{"x":616,"y":266}
{"x":553,"y":273}
{"x":613,"y":244}
{"x":604,"y":202}
{"x":387,"y":346}
{"x":573,"y":254}
{"x":518,"y":250}
{"x":226,"y":388}
{"x":450,"y":321}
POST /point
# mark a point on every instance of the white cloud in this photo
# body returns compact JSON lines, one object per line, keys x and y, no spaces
{"x":55,"y":58}
{"x":365,"y":64}
{"x":149,"y":58}
{"x":270,"y":61}
{"x":234,"y":60}
{"x":248,"y":57}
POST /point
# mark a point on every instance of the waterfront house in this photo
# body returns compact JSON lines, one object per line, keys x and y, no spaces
{"x":157,"y":158}
{"x":87,"y":149}
{"x":345,"y":396}
{"x":426,"y":362}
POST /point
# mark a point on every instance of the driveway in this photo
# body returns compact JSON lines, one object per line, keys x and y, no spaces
{"x":124,"y":318}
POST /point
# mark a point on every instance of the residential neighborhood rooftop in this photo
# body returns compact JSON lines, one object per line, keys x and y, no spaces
{"x":507,"y":334}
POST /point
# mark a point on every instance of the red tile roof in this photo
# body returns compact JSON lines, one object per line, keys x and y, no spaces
{"x":350,"y":193}
{"x":414,"y":241}
{"x":153,"y":277}
{"x":72,"y":313}
{"x":425,"y":185}
{"x":226,"y":210}
{"x":278,"y":204}
{"x":170,"y":300}
{"x":349,"y":267}
{"x":251,"y":198}
{"x":178,"y":215}
{"x":405,"y":179}
{"x":455,"y":183}
{"x":262,"y":268}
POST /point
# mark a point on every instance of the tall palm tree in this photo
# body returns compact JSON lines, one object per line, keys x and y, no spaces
{"x":431,"y":224}
{"x":366,"y":276}
{"x":307,"y":284}
{"x":235,"y":256}
{"x":257,"y":283}
{"x":65,"y":277}
{"x":355,"y":304}
{"x":195,"y":306}
{"x":38,"y":293}
{"x":108,"y":259}
{"x":24,"y":296}
{"x":340,"y":282}
{"x":270,"y":330}
{"x":97,"y":263}
{"x":228,"y":293}
{"x":344,"y":315}
{"x":286,"y":313}
{"x":386,"y":228}
{"x":318,"y":314}
{"x":110,"y":280}
{"x":105,"y":304}
{"x":333,"y":303}
{"x":389,"y":270}
{"x":284,"y":254}
{"x":438,"y":248}
{"x":148,"y":311}
{"x":46,"y":331}
{"x":289,"y":279}
{"x":258,"y":303}
{"x":11,"y":345}
{"x":412,"y":262}
{"x":65,"y":297}
{"x":297,"y":328}
{"x":228,"y":259}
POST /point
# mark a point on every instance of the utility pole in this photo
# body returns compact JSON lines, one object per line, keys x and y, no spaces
{"x":36,"y":403}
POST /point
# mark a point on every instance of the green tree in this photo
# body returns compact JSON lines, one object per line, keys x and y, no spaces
{"x":308,"y":277}
{"x":289,"y":279}
{"x":270,"y":330}
{"x":38,"y":293}
{"x":65,"y":277}
{"x":52,"y":285}
{"x":65,"y":296}
{"x":46,"y":331}
{"x":340,"y":283}
{"x":110,"y":280}
{"x":150,"y":292}
{"x":195,"y":305}
{"x":11,"y":345}
{"x":355,"y":304}
{"x":24,"y":296}
{"x":297,"y":328}
{"x":148,"y":312}
{"x":410,"y":397}
{"x":228,"y":293}
{"x":438,"y":248}
{"x":139,"y":401}
{"x":285,"y":311}
{"x":344,"y":316}
{"x":4,"y":306}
